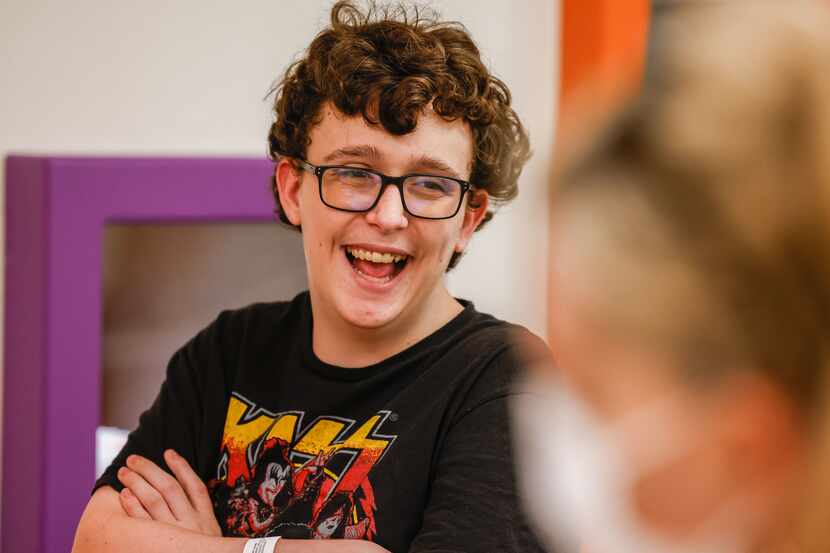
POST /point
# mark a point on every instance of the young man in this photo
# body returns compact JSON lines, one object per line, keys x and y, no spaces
{"x":371,"y":408}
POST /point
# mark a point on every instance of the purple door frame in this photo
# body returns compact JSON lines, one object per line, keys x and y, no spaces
{"x":56,"y":209}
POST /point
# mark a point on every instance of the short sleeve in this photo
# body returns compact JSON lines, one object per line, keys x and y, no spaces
{"x":180,"y":416}
{"x":473,"y":505}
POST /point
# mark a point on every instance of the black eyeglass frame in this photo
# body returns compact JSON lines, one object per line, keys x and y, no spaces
{"x":385,"y":180}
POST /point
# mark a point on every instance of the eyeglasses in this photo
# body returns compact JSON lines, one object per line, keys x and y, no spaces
{"x":357,"y":189}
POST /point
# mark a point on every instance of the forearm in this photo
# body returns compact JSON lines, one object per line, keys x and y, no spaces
{"x":154,"y":537}
{"x":125,"y":535}
{"x":134,"y":536}
{"x":106,"y":528}
{"x":328,"y":546}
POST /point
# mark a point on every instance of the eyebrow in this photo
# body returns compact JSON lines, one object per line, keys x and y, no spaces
{"x":435,"y":164}
{"x":369,"y":152}
{"x":361,"y":151}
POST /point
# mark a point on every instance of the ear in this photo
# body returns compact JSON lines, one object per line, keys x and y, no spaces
{"x":762,"y":431}
{"x":474,"y":213}
{"x":289,"y":181}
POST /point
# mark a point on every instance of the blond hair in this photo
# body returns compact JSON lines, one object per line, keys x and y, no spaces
{"x":714,"y":197}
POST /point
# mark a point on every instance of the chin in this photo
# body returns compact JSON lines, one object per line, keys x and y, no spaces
{"x":368,"y":314}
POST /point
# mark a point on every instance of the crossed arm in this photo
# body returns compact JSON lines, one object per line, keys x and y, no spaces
{"x":158,"y":513}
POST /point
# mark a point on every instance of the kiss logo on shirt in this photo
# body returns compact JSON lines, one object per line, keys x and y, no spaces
{"x":277,"y":477}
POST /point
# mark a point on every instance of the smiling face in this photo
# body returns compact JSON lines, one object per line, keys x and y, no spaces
{"x":328,"y":526}
{"x":383,"y":268}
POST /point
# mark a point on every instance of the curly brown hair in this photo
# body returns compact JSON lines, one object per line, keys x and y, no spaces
{"x":388,"y":63}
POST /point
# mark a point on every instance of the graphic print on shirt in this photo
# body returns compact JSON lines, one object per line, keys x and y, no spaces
{"x":278,"y":476}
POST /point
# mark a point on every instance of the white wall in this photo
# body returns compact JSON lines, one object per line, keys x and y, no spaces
{"x":504,"y":272}
{"x":188,"y":77}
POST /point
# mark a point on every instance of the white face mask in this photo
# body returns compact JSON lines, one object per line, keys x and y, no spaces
{"x":576,"y":483}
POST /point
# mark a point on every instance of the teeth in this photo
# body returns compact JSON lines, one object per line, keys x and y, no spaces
{"x":376,"y":257}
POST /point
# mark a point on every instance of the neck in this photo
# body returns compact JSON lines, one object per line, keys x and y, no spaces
{"x":338,"y":342}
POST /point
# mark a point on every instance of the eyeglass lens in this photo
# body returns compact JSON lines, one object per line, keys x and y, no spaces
{"x":357,"y":190}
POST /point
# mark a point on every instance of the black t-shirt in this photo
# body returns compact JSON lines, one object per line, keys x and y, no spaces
{"x":413,"y":453}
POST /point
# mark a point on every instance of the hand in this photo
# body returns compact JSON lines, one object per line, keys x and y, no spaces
{"x":153,"y":494}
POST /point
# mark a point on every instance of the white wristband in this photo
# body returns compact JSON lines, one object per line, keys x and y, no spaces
{"x":261,"y":545}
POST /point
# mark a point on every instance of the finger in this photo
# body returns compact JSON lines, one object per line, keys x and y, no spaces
{"x":150,"y":498}
{"x":165,"y":484}
{"x":190,"y":481}
{"x":132,"y":505}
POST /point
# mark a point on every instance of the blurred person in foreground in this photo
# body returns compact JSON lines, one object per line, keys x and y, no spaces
{"x":690,"y":303}
{"x":370,"y":413}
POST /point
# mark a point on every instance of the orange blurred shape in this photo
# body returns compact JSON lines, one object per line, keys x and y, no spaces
{"x":603,"y":52}
{"x":604,"y":44}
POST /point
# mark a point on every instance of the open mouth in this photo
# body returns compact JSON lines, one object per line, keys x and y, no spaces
{"x":379,"y":266}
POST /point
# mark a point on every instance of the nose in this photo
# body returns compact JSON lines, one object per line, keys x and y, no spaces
{"x":388,"y":214}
